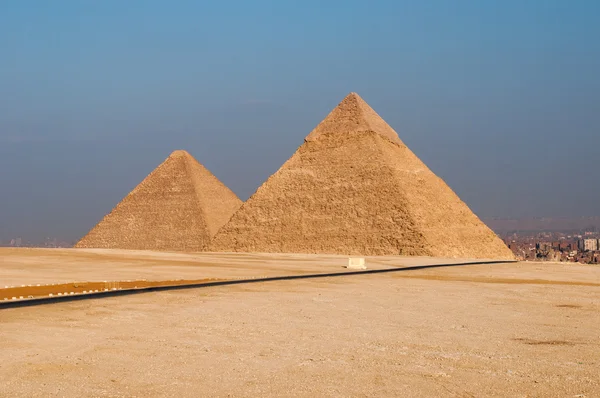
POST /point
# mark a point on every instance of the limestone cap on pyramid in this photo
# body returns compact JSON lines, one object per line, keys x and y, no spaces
{"x":353,"y":115}
{"x":179,"y":153}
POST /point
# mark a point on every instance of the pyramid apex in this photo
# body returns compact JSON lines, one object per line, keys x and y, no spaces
{"x":353,"y":115}
{"x":179,"y":153}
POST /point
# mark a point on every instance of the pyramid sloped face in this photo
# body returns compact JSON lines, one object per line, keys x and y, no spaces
{"x":357,"y":194}
{"x":451,"y":228}
{"x":179,"y":207}
{"x":332,"y":196}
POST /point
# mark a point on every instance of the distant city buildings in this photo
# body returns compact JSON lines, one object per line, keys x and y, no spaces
{"x":587,"y":245}
{"x":47,"y":242}
{"x":556,"y":246}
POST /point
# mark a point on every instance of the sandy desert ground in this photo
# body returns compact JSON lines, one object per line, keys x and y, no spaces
{"x":32,"y":266}
{"x":40,"y":273}
{"x":513,"y":329}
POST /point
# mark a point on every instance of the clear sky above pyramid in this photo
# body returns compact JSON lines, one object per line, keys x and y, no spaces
{"x":500,"y":99}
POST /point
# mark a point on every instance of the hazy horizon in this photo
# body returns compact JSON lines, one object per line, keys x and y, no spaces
{"x":499,"y":99}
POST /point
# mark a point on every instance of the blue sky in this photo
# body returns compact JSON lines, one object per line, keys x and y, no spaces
{"x":499,"y":98}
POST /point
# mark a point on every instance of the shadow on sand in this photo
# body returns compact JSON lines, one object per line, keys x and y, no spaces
{"x":124,"y":292}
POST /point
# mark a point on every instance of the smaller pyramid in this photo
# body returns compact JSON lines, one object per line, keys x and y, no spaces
{"x":177,"y":207}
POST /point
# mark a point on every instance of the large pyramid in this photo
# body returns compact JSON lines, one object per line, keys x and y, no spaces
{"x":354,"y":188}
{"x":179,"y":206}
